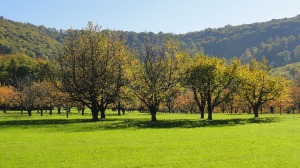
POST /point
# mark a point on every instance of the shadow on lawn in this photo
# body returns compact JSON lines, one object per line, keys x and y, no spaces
{"x":109,"y":124}
{"x":186,"y":123}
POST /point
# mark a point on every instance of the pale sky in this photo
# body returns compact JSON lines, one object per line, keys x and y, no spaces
{"x":176,"y":16}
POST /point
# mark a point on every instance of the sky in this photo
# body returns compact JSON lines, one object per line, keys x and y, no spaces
{"x":168,"y":16}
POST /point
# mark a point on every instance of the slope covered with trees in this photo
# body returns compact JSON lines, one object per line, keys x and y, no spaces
{"x":277,"y":40}
{"x":34,"y":41}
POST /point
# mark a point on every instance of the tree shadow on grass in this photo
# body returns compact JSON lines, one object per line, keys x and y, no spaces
{"x":113,"y":124}
{"x":185,"y":123}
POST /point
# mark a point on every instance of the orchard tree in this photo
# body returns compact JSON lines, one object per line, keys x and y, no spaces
{"x":258,"y":87}
{"x":8,"y":97}
{"x":294,"y":98}
{"x":28,"y":96}
{"x":212,"y":81}
{"x":185,"y":102}
{"x":170,"y":101}
{"x":91,"y":67}
{"x":44,"y":98}
{"x":155,"y":76}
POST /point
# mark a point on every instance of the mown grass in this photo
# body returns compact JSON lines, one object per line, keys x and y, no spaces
{"x":176,"y":140}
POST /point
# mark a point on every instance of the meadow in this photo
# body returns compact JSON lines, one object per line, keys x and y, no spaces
{"x":176,"y":140}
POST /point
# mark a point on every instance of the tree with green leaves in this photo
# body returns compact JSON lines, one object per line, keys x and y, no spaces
{"x":91,"y":67}
{"x":157,"y":73}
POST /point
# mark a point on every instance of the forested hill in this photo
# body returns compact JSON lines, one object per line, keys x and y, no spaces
{"x":34,"y":41}
{"x":277,"y":40}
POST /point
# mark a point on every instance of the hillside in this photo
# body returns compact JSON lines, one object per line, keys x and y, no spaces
{"x":290,"y":72}
{"x":277,"y":40}
{"x":34,"y":41}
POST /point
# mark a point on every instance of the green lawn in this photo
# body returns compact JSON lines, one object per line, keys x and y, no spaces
{"x":176,"y":140}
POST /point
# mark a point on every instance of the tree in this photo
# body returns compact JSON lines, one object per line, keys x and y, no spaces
{"x":8,"y":97}
{"x":28,"y":95}
{"x":157,"y":73}
{"x":212,"y":81}
{"x":44,"y":98}
{"x":170,"y":101}
{"x":297,"y":53}
{"x":258,"y":87}
{"x":295,"y":98}
{"x":186,"y":102}
{"x":91,"y":67}
{"x":284,"y":56}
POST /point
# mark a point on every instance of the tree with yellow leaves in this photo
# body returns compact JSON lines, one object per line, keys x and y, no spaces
{"x":212,"y":81}
{"x":91,"y":67}
{"x":157,"y":72}
{"x":8,"y":97}
{"x":258,"y":87}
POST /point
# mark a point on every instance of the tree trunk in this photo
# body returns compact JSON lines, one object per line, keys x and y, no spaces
{"x":153,"y":110}
{"x":51,"y":108}
{"x":271,"y":109}
{"x":82,"y":111}
{"x":255,"y":110}
{"x":202,"y":109}
{"x":58,"y":110}
{"x":209,"y":114}
{"x":209,"y":107}
{"x":200,"y":103}
{"x":67,"y":113}
{"x":4,"y":110}
{"x":119,"y":108}
{"x":153,"y":117}
{"x":95,"y":111}
{"x":102,"y":111}
{"x":29,"y":112}
{"x":123,"y":110}
{"x":42,"y":112}
{"x":95,"y":114}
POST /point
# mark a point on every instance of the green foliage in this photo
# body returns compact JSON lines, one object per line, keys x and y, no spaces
{"x":16,"y":67}
{"x":290,"y":72}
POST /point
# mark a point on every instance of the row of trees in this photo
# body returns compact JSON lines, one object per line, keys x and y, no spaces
{"x":96,"y":69}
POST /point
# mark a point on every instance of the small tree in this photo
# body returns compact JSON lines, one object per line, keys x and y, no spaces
{"x":8,"y":97}
{"x":29,"y":97}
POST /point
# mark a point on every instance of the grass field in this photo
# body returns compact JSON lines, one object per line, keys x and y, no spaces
{"x":176,"y":140}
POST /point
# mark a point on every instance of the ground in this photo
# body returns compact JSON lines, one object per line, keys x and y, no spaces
{"x":176,"y":140}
